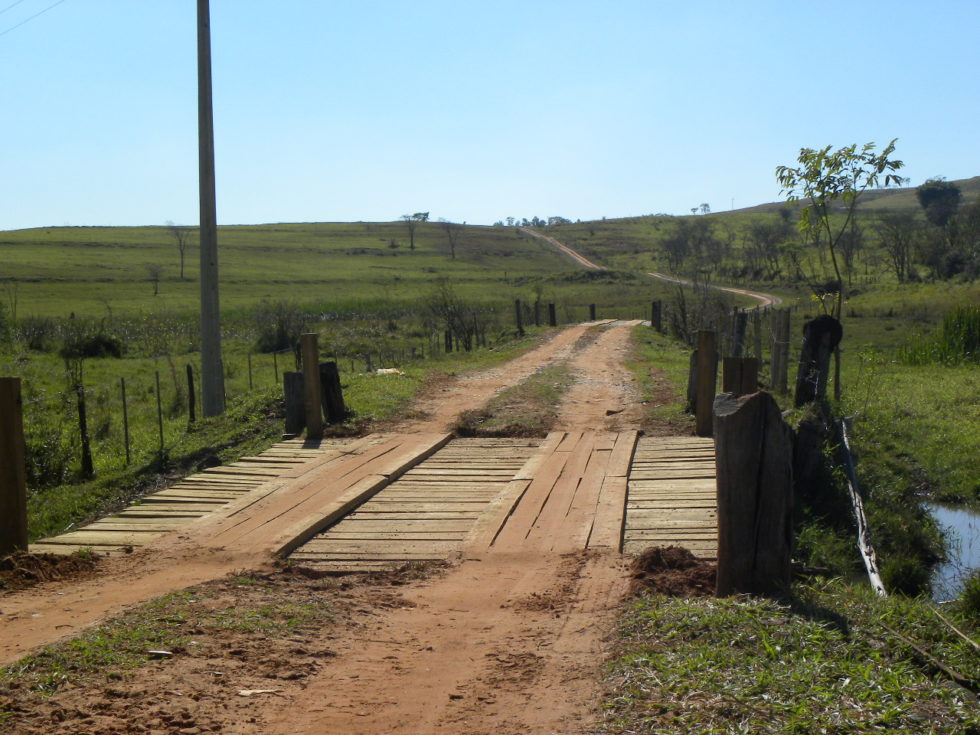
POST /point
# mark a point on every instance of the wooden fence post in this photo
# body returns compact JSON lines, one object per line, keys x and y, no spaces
{"x":448,"y":341}
{"x":754,"y":464}
{"x":780,"y":350}
{"x":739,"y":375}
{"x":537,"y":312}
{"x":293,"y":396}
{"x":757,"y":334}
{"x":13,"y":469}
{"x":191,"y":408}
{"x":333,"y":394}
{"x":591,"y":312}
{"x":707,"y":377}
{"x":275,"y":366}
{"x":125,"y":411}
{"x":519,"y":317}
{"x":656,"y":316}
{"x":311,"y":385}
{"x":159,"y":413}
{"x":250,"y":387}
{"x":552,"y":316}
{"x":739,"y":322}
{"x":820,"y":338}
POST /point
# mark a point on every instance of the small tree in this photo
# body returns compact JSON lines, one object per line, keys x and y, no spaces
{"x":154,"y":271}
{"x":453,"y":230}
{"x":825,"y":176}
{"x":411,"y":222}
{"x":899,"y":233}
{"x":181,"y":236}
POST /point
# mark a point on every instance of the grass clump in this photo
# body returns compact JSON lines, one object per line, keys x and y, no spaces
{"x":823,"y":663}
{"x":659,"y":365}
{"x":956,"y":341}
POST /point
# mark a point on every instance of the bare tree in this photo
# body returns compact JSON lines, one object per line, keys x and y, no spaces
{"x":899,"y":233}
{"x":154,"y":271}
{"x":181,"y":236}
{"x":453,"y":230}
{"x":411,"y":222}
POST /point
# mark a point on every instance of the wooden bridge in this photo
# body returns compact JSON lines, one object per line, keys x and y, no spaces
{"x":383,"y":500}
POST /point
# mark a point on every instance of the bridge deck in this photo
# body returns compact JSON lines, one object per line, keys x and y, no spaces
{"x":358,"y":505}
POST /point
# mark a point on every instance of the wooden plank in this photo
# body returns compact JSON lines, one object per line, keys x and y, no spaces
{"x":622,"y":456}
{"x":607,"y":528}
{"x":518,"y":523}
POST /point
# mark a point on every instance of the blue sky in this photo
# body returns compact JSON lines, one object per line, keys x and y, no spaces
{"x":473,"y":111}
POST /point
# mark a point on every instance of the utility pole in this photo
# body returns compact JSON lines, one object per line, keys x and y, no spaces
{"x":212,"y":375}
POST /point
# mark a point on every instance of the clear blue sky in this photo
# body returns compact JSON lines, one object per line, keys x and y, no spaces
{"x":369,"y":109}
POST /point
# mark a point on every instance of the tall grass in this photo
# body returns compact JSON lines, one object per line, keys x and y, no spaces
{"x":956,"y":341}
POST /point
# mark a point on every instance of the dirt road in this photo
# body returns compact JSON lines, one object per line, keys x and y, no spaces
{"x":502,"y":642}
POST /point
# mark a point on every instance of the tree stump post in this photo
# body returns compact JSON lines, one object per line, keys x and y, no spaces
{"x":740,"y":375}
{"x":552,"y":316}
{"x":707,"y":380}
{"x":656,"y":316}
{"x":820,"y":338}
{"x":754,"y":464}
{"x":293,"y":395}
{"x":13,"y":469}
{"x":311,"y":385}
{"x":332,"y":393}
{"x":591,"y":312}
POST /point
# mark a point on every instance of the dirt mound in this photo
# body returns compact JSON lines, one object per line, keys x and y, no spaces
{"x":22,"y":570}
{"x":672,"y":571}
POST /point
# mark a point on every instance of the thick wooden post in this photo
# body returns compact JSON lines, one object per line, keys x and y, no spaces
{"x":739,"y":322}
{"x":552,"y":316}
{"x":13,"y":469}
{"x":333,"y":395}
{"x":780,"y":350}
{"x":820,"y":338}
{"x":707,"y":379}
{"x":519,"y":317}
{"x":311,"y":385}
{"x":591,"y":312}
{"x":740,"y":375}
{"x":757,"y":334}
{"x":292,"y":391}
{"x":656,"y":316}
{"x":754,"y":463}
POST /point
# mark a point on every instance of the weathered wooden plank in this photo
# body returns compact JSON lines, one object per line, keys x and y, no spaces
{"x":622,"y":456}
{"x":607,"y":528}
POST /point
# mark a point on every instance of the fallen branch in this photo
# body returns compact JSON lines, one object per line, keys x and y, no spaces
{"x":956,"y":630}
{"x":934,"y":662}
{"x":864,"y":537}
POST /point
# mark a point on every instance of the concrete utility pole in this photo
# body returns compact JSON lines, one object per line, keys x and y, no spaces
{"x":212,"y":375}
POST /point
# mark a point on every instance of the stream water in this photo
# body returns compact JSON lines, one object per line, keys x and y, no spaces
{"x":964,"y":550}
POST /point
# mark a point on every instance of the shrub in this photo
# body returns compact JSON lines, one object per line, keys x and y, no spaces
{"x":279,"y":326}
{"x":956,"y":341}
{"x":969,"y":600}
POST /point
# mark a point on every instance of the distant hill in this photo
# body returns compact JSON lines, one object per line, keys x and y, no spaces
{"x":886,"y":199}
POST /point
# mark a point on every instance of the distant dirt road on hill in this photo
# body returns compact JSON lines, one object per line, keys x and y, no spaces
{"x":764,"y":299}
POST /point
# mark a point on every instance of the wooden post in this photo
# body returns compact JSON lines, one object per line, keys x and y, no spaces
{"x":311,"y":385}
{"x":820,"y":338}
{"x":591,"y":312}
{"x":275,"y":366}
{"x":740,"y":375}
{"x":159,"y":413}
{"x":706,"y":382}
{"x":191,"y":399}
{"x":212,"y":375}
{"x":780,"y":350}
{"x":552,"y":316}
{"x":88,"y":469}
{"x":519,"y":316}
{"x":537,"y":313}
{"x":448,"y":341}
{"x":333,"y":395}
{"x":739,"y":322}
{"x":656,"y":316}
{"x":757,"y":335}
{"x":13,"y":469}
{"x":125,"y":409}
{"x":692,"y":382}
{"x":753,"y":457}
{"x":292,"y":391}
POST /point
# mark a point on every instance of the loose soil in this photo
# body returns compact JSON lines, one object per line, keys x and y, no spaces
{"x":22,"y":570}
{"x":502,"y":643}
{"x":672,"y":571}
